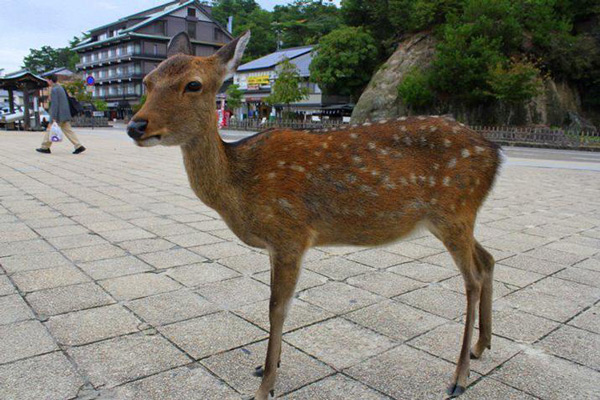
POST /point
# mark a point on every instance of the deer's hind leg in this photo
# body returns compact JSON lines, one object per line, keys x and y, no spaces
{"x":458,"y":239}
{"x":485,"y":265}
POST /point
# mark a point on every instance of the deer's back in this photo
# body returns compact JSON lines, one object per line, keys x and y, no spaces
{"x":375,"y":180}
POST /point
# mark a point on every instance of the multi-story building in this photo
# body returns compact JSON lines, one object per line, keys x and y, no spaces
{"x":256,"y":79}
{"x":118,"y":55}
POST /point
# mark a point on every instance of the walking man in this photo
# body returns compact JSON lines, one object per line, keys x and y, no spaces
{"x":61,"y":114}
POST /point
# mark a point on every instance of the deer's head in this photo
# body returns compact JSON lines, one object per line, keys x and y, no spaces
{"x":181,"y":93}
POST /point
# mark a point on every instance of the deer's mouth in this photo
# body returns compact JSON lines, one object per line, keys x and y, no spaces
{"x":149,"y":141}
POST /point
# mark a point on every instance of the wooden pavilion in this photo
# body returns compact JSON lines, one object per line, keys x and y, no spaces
{"x":29,"y":84}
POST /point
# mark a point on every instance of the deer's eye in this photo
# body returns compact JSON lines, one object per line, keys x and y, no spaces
{"x":194,"y":86}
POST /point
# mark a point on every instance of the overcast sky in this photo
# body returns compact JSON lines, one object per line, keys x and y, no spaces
{"x":29,"y":24}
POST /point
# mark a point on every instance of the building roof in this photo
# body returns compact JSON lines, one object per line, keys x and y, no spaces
{"x":271,"y":60}
{"x":57,"y":71}
{"x":16,"y":80}
{"x":156,"y":13}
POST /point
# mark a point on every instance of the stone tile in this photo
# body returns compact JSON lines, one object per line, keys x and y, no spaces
{"x":193,"y":239}
{"x":575,"y":249}
{"x":248,"y":264}
{"x":88,"y":326}
{"x":93,"y":253}
{"x":378,"y":258}
{"x":212,"y":334}
{"x":220,"y":250}
{"x":237,"y":366}
{"x":589,"y":319}
{"x":68,"y":298}
{"x":177,"y":384}
{"x":442,"y":259}
{"x":423,"y":272}
{"x":515,"y":276}
{"x":395,"y":320}
{"x":445,"y":341}
{"x":114,"y":267}
{"x":457,"y":284}
{"x":557,"y":256}
{"x":574,"y":344}
{"x":146,"y":245}
{"x":337,"y":387}
{"x":66,"y":230}
{"x":591,"y":264}
{"x":115,"y":361}
{"x":25,"y":247}
{"x":412,"y":250}
{"x":40,"y":279}
{"x":337,"y":268}
{"x":170,"y":229}
{"x":30,"y":262}
{"x":13,"y":309}
{"x":338,"y":342}
{"x":127,"y":234}
{"x":308,"y":279}
{"x":171,"y":258}
{"x":48,"y":377}
{"x":300,"y":314}
{"x":436,"y":300}
{"x":519,"y":326}
{"x":490,"y":389}
{"x":200,"y":274}
{"x":385,"y":283}
{"x":6,"y":287}
{"x":24,"y":339}
{"x":389,"y":373}
{"x":540,"y":304}
{"x":141,"y":285}
{"x":582,"y":294}
{"x":234,"y":293}
{"x":109,"y":225}
{"x":74,"y":241}
{"x":580,"y":275}
{"x":340,"y":250}
{"x":339,"y":297}
{"x":209,"y":225}
{"x":549,"y":377}
{"x":171,"y":307}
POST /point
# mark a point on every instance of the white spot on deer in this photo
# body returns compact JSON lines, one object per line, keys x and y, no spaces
{"x":271,"y":175}
{"x":396,"y":138}
{"x":477,"y":181}
{"x":329,"y":137}
{"x":421,"y":118}
{"x":461,"y":124}
{"x":354,"y":136}
{"x":471,"y":190}
{"x":356,"y":159}
{"x":367,"y":124}
{"x":306,"y":131}
{"x":433,"y":128}
{"x":317,"y":153}
{"x":326,"y":166}
{"x":280,"y":164}
{"x":407,"y":141}
{"x":325,"y":145}
{"x":413,"y":178}
{"x":354,"y":126}
{"x":436,"y":166}
{"x":423,"y":140}
{"x":384,"y":152}
{"x":434,"y":201}
{"x":422,"y":178}
{"x":402,"y":119}
{"x":403,"y":128}
{"x":297,"y":168}
{"x":479,"y":149}
{"x":452,"y":163}
{"x":403,"y":181}
{"x":383,"y":121}
{"x":447,"y":143}
{"x":435,"y":116}
{"x":310,"y":163}
{"x":338,"y":156}
{"x":455,"y":129}
{"x":447,"y":181}
{"x":463,"y":203}
{"x":465,"y":153}
{"x":431,"y":181}
{"x":344,"y":145}
{"x":374,"y":172}
{"x":351,"y":178}
{"x":325,"y":130}
{"x":371,"y":146}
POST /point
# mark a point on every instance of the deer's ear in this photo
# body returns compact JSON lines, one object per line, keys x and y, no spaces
{"x":180,"y":44}
{"x":231,"y":54}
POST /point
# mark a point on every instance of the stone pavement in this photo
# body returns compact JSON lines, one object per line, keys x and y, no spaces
{"x":117,"y":283}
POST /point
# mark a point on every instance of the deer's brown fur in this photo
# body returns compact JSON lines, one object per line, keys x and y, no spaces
{"x":367,"y":184}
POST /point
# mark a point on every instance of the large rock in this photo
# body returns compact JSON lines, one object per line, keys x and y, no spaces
{"x":557,"y":104}
{"x":380,"y":99}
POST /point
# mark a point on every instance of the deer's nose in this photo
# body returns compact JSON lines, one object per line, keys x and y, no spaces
{"x":137,"y":128}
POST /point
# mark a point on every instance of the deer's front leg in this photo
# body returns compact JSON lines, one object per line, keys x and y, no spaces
{"x":285,"y":270}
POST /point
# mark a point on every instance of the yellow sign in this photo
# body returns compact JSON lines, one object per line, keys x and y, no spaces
{"x":259,"y":80}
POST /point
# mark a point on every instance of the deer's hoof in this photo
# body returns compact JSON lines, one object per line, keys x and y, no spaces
{"x":474,"y":356}
{"x":259,"y":371}
{"x":270,"y":396}
{"x":455,"y":390}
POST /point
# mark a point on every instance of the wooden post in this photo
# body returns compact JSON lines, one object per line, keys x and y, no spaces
{"x":27,"y":122}
{"x":11,"y":101}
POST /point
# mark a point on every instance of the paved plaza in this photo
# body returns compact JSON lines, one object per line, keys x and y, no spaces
{"x":117,"y":283}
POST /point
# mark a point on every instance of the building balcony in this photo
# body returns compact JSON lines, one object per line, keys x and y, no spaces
{"x":120,"y":58}
{"x":133,"y":95}
{"x":120,"y":77}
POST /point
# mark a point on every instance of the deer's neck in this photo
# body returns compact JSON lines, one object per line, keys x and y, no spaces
{"x":208,"y":170}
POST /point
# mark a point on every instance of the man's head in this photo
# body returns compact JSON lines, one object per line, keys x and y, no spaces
{"x":52,"y":79}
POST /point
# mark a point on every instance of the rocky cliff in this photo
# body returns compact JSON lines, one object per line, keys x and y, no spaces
{"x":557,"y":104}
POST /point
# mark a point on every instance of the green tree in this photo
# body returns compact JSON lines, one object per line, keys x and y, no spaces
{"x":100,"y":105}
{"x":288,"y":87}
{"x":264,"y":40}
{"x":234,"y":97}
{"x":48,"y":58}
{"x":415,"y":91}
{"x":344,"y":61}
{"x":137,"y":107}
{"x":304,"y":22}
{"x":77,"y":89}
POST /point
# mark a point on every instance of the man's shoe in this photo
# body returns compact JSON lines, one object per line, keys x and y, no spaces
{"x":45,"y":151}
{"x":78,"y":150}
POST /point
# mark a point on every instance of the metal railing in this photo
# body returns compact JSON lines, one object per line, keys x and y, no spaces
{"x":507,"y":135}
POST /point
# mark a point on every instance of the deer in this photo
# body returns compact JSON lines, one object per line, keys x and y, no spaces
{"x":286,"y":190}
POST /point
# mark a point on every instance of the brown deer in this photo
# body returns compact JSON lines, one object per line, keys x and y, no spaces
{"x":286,"y":191}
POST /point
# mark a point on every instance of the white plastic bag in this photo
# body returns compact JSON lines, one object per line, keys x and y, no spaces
{"x":56,"y":134}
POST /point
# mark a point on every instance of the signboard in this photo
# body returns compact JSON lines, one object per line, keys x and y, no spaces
{"x":89,"y":89}
{"x":90,"y":81}
{"x":98,"y":113}
{"x":258,"y":80}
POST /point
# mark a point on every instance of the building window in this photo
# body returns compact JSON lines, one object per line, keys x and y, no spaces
{"x":216,"y":35}
{"x":155,"y":49}
{"x":191,"y":29}
{"x":191,"y":12}
{"x":160,"y":27}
